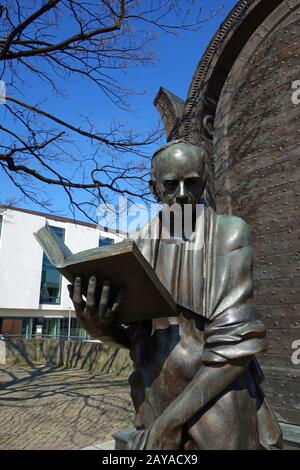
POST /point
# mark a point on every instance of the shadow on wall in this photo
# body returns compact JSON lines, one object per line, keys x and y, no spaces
{"x":96,"y":357}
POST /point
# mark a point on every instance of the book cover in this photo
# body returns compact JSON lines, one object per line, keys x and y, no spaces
{"x":145,"y":296}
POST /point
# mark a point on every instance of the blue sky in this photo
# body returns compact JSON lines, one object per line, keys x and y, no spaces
{"x":177,"y":59}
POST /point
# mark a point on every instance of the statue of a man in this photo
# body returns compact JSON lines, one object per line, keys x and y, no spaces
{"x":196,"y":382}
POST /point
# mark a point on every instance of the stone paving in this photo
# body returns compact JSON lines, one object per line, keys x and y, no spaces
{"x":55,"y":408}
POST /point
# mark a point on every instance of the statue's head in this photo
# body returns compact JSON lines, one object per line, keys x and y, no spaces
{"x":178,"y":173}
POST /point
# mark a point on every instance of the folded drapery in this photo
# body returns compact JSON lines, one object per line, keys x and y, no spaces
{"x":211,"y":276}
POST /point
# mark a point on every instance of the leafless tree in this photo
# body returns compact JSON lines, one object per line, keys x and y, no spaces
{"x":56,"y":40}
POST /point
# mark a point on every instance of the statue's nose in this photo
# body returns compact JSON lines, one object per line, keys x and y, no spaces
{"x":182,"y":197}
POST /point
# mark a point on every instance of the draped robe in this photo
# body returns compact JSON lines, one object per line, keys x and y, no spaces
{"x":210,"y":277}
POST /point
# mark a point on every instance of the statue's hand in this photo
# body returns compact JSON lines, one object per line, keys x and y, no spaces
{"x":163,"y":436}
{"x":95,"y":315}
{"x":159,"y":436}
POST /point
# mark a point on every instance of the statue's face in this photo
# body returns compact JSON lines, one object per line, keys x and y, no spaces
{"x":179,"y":175}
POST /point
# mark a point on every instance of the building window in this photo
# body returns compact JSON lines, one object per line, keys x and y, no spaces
{"x":72,"y":330}
{"x":74,"y":327}
{"x":52,"y":327}
{"x":104,"y":241}
{"x":50,"y":292}
{"x":27,"y":327}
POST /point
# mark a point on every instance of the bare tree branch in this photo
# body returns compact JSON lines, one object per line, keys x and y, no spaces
{"x":90,"y":41}
{"x":118,"y":145}
{"x":18,"y":29}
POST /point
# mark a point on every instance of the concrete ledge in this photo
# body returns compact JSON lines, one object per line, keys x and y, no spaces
{"x":109,"y":445}
{"x":291,"y":436}
{"x":91,"y":356}
{"x":121,"y":438}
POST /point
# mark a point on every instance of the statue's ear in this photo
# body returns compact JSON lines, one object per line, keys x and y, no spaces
{"x":152,"y":186}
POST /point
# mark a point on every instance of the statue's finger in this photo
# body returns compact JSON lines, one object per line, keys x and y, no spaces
{"x":77,"y":294}
{"x":91,"y":292}
{"x":103,"y":304}
{"x":71,"y":291}
{"x":118,"y":300}
{"x":79,"y":304}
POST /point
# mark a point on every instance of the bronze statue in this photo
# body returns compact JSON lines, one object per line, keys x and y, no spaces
{"x":196,"y":381}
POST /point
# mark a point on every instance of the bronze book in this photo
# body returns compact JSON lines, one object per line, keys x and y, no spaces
{"x":145,"y":296}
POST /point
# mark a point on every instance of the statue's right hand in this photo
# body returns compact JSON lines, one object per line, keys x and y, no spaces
{"x":95,"y":315}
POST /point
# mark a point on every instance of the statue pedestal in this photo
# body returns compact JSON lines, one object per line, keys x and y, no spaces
{"x":121,"y":438}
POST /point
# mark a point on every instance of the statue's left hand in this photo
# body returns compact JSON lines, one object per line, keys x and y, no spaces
{"x":159,"y":436}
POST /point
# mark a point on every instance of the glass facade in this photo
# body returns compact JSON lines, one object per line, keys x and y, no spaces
{"x":50,"y":292}
{"x":75,"y":329}
{"x":27,"y":327}
{"x":53,"y":328}
{"x":104,"y":241}
{"x":30,"y":326}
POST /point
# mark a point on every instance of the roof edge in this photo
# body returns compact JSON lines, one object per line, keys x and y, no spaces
{"x":59,"y":218}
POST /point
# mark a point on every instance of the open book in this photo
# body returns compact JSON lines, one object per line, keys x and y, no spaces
{"x":145,"y":296}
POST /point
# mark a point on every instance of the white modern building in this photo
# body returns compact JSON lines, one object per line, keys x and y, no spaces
{"x":34,"y":298}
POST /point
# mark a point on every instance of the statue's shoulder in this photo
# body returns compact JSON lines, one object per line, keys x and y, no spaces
{"x":231,"y":232}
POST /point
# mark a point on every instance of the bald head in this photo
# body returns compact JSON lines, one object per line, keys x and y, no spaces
{"x":178,"y":174}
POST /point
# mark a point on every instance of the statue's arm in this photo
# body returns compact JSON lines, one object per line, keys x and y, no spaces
{"x":166,"y":431}
{"x":209,"y":382}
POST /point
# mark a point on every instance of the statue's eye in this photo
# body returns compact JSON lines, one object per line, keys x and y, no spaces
{"x":170,"y":185}
{"x":192,"y":181}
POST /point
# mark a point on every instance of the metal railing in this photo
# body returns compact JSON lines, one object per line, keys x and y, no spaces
{"x":8,"y":336}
